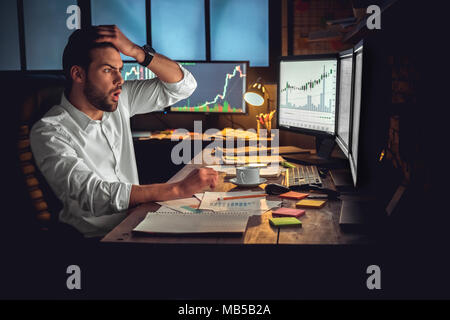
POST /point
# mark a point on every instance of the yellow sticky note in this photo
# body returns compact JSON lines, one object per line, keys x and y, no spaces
{"x":305,"y":203}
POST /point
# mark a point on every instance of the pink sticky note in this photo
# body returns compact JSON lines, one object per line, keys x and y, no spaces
{"x":288,"y":212}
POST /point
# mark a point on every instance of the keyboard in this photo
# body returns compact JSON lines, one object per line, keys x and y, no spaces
{"x":303,"y":175}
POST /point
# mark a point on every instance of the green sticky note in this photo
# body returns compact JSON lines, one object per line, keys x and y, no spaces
{"x":287,"y":164}
{"x":285,"y":221}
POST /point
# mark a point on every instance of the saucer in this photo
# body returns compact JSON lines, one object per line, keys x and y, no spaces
{"x":261,"y":180}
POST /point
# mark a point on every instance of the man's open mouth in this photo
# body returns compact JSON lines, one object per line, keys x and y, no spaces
{"x":115,"y":95}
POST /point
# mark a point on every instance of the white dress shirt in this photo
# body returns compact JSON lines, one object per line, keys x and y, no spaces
{"x":90,"y":164}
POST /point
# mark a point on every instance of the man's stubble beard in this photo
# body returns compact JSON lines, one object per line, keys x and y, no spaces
{"x":97,"y":98}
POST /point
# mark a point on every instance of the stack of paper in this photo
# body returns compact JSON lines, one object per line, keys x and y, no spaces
{"x":266,"y":172}
{"x":237,"y":133}
{"x":250,"y":159}
{"x":253,"y":150}
{"x":242,"y":151}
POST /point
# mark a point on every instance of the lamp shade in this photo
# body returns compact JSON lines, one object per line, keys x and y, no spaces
{"x":255,"y":95}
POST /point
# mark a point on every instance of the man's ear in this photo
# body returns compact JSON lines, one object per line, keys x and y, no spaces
{"x":78,"y":74}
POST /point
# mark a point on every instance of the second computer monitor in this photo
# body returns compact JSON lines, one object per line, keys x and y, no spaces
{"x":356,"y":112}
{"x":343,"y":130}
{"x":134,"y":71}
{"x":220,"y":86}
{"x":307,"y":94}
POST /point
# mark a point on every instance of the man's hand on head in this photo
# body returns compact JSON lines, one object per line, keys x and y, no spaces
{"x":165,"y":69}
{"x":111,"y":33}
{"x":198,"y":180}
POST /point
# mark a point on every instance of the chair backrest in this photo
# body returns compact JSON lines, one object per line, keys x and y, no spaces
{"x":35,"y":104}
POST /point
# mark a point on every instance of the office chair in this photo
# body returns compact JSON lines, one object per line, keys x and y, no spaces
{"x":42,"y":95}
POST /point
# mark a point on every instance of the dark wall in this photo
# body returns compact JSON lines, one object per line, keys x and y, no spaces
{"x":161,"y":121}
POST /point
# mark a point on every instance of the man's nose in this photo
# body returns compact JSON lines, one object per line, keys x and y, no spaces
{"x":118,"y":80}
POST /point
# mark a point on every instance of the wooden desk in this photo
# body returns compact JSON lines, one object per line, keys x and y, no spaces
{"x":319,"y":226}
{"x":202,"y":136}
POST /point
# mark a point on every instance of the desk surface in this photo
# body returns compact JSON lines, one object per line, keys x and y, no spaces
{"x":319,"y":226}
{"x":168,"y":135}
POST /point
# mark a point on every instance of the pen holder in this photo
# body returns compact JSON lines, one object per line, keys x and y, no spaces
{"x":269,"y":128}
{"x":265,"y":119}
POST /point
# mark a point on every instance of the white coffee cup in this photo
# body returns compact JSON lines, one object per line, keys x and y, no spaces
{"x":247,"y":175}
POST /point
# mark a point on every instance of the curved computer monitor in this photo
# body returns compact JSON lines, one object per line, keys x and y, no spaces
{"x":345,"y":98}
{"x":356,"y":111}
{"x":307,"y":94}
{"x":220,"y":86}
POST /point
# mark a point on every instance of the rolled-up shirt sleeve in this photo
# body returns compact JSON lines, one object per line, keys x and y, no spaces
{"x":70,"y":177}
{"x":153,"y":95}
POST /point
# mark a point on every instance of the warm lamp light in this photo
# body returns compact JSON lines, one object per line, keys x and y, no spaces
{"x":256,"y":94}
{"x":253,"y":99}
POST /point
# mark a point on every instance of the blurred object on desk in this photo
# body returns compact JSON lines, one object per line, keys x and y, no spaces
{"x":141,"y":134}
{"x":247,"y":150}
{"x":251,"y":159}
{"x":230,"y":171}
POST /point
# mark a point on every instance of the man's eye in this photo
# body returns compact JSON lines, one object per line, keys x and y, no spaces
{"x":107,"y":70}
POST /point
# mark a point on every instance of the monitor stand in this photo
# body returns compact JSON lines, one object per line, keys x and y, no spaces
{"x":321,"y":158}
{"x":314,"y":159}
{"x":308,"y":159}
{"x":324,"y":147}
{"x":358,"y":216}
{"x":342,"y":179}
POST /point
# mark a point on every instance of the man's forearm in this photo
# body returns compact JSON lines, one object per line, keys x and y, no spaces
{"x":154,"y":192}
{"x":165,"y":69}
{"x":197,"y":180}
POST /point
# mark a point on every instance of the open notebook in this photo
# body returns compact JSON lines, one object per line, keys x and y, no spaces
{"x":193,"y":223}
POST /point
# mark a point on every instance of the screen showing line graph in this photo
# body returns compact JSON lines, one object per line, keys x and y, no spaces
{"x":307,"y":94}
{"x":134,"y":71}
{"x":220,"y":88}
{"x":220,"y":85}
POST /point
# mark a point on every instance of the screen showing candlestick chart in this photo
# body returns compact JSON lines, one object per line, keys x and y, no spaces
{"x":220,"y":86}
{"x":307,"y":94}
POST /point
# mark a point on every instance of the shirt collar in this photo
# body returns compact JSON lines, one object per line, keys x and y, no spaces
{"x":82,"y":119}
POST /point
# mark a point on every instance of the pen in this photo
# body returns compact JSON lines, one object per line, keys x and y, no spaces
{"x":244,"y":197}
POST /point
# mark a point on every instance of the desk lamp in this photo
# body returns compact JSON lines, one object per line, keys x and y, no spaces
{"x":256,"y":96}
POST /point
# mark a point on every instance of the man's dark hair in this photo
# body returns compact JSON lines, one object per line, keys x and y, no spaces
{"x":78,"y":50}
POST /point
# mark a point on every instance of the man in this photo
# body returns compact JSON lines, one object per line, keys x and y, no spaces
{"x":84,"y":147}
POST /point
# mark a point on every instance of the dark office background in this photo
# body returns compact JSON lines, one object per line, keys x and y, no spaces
{"x":409,"y":61}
